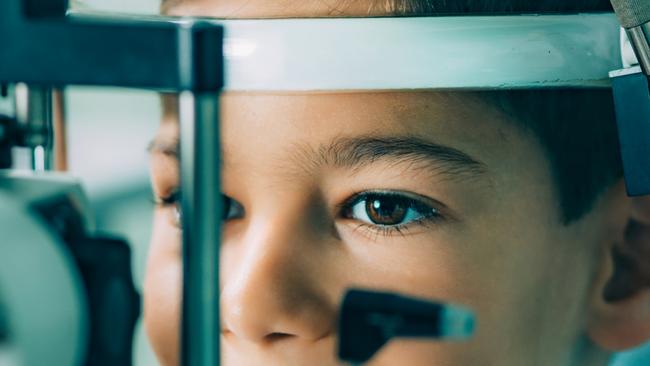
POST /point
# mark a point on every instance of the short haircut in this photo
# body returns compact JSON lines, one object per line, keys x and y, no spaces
{"x":575,"y":127}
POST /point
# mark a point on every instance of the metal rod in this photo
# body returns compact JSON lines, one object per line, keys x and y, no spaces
{"x":59,"y":131}
{"x":40,"y":132}
{"x":640,"y":40}
{"x":39,"y":124}
{"x":34,"y":113}
{"x":201,"y":220}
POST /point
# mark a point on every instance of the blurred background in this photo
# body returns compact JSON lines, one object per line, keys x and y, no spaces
{"x":108,"y":133}
{"x":109,"y":130}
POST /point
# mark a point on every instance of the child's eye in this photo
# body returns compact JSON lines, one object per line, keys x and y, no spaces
{"x":231,"y":208}
{"x":171,"y":201}
{"x":388,"y":212}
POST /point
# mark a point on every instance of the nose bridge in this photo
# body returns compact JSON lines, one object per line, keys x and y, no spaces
{"x":273,"y":289}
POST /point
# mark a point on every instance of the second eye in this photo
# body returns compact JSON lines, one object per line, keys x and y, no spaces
{"x":388,"y":209}
{"x":232,"y":209}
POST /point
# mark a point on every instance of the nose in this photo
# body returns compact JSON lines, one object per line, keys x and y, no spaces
{"x":271,"y":289}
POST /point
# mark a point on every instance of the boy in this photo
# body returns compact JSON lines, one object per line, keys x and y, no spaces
{"x":509,"y":202}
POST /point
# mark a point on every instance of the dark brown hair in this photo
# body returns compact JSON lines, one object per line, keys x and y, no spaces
{"x":576,"y":127}
{"x":447,"y":7}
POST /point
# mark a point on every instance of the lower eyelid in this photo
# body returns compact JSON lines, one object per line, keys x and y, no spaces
{"x":374,"y":232}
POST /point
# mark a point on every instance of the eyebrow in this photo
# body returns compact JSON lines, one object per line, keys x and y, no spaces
{"x":359,"y":152}
{"x":169,"y":147}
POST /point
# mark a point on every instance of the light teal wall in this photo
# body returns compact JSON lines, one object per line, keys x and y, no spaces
{"x":108,"y":132}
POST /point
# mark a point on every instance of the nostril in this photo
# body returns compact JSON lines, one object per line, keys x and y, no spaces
{"x":277,"y":337}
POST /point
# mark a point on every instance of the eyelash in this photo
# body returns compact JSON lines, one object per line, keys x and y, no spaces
{"x":170,"y":200}
{"x":173,"y":201}
{"x":374,"y":231}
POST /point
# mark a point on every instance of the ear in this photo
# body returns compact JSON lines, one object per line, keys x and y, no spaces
{"x":620,"y":307}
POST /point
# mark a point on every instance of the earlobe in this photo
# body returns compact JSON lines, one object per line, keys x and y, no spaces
{"x":620,"y":317}
{"x":622,"y":324}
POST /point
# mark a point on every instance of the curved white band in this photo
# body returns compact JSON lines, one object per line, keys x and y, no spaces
{"x":477,"y":52}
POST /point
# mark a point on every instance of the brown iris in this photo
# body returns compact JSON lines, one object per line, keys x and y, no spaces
{"x":386,"y":210}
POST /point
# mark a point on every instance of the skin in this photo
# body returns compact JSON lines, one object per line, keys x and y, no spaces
{"x":497,"y":244}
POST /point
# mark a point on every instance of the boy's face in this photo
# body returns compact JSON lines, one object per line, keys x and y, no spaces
{"x":433,"y":195}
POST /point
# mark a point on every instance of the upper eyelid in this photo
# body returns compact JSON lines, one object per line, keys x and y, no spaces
{"x":169,"y":199}
{"x":413,"y":203}
{"x":357,"y":197}
{"x":168,"y":148}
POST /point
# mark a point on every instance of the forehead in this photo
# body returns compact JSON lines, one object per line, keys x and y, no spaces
{"x":277,"y":8}
{"x":464,"y":121}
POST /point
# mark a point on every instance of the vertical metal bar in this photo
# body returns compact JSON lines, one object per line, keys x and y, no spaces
{"x":632,"y":102}
{"x":34,"y":113}
{"x":640,"y":40}
{"x":40,"y":127}
{"x":59,"y":131}
{"x":39,"y":157}
{"x":201,"y":221}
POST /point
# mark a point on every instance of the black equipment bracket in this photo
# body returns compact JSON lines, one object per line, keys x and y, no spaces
{"x":40,"y":45}
{"x":632,"y":99}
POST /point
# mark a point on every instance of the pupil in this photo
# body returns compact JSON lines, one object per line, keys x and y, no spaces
{"x":386,"y":211}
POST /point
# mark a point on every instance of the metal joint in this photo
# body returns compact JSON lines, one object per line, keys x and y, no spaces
{"x":640,"y":40}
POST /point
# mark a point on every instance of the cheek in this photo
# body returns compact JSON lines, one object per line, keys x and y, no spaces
{"x":530,"y":296}
{"x":162,"y":291}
